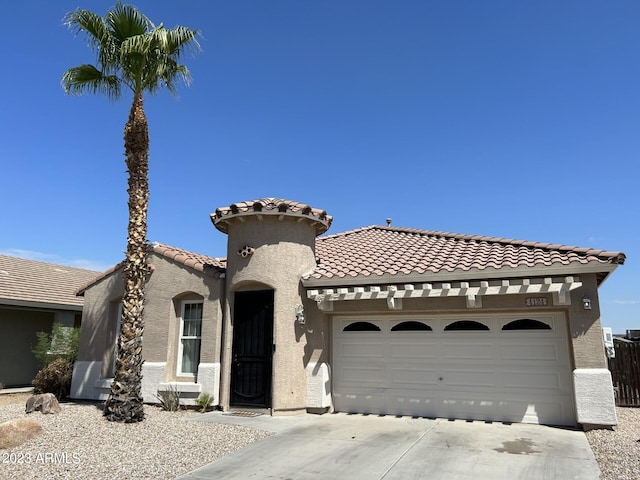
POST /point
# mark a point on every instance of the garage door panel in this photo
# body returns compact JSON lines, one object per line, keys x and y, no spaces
{"x":530,"y":380}
{"x":360,"y":350}
{"x":407,"y":377}
{"x":358,"y":401}
{"x":413,"y":350}
{"x":472,"y":407}
{"x":363,"y":376}
{"x":469,"y":377}
{"x":412,"y":403}
{"x":513,"y":375}
{"x":527,"y":351}
{"x":536,"y":410}
{"x":468,"y":350}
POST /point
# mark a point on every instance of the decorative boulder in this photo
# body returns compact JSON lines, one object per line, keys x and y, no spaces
{"x":17,"y":431}
{"x":43,"y":402}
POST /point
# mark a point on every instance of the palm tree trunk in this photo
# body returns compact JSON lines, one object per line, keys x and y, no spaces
{"x":125,"y":400}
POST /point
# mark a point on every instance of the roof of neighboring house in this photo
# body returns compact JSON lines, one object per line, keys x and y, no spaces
{"x":202,"y":263}
{"x":32,"y":283}
{"x":379,"y":251}
{"x":271,"y":206}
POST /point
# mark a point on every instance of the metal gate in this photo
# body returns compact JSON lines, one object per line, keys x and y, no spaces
{"x":252,"y":348}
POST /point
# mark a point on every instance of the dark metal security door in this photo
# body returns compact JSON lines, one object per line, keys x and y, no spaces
{"x":252,"y":348}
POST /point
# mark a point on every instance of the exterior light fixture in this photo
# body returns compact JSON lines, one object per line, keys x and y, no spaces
{"x":586,"y":303}
{"x":300,"y":314}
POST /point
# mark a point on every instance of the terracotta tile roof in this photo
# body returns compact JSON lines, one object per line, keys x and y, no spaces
{"x":201,"y":263}
{"x":32,"y":283}
{"x":271,"y":206}
{"x":377,"y":251}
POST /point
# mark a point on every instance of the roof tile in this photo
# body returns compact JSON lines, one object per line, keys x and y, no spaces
{"x":270,"y":205}
{"x":33,"y":282}
{"x":381,"y":250}
{"x":201,"y":263}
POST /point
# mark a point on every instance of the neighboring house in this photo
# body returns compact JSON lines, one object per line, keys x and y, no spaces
{"x":381,"y":320}
{"x":33,"y":295}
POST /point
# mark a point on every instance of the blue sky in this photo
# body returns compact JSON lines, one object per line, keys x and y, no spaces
{"x":501,"y":118}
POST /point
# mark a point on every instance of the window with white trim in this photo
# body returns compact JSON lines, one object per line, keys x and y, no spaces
{"x":190,"y":337}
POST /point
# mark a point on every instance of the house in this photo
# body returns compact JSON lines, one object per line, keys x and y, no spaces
{"x":33,"y":295}
{"x":381,"y":320}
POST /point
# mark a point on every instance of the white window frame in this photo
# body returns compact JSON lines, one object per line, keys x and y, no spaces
{"x":181,"y":337}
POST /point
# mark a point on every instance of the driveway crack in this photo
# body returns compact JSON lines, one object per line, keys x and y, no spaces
{"x":401,"y":456}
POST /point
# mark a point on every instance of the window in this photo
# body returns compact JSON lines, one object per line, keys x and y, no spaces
{"x":190,"y":338}
{"x":465,"y":325}
{"x":526,"y":324}
{"x":361,"y":327}
{"x":411,"y":326}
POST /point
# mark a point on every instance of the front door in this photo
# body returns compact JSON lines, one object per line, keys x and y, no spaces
{"x":252,"y":349}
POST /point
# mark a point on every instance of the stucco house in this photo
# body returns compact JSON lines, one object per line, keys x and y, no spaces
{"x":33,"y":295}
{"x":381,"y":319}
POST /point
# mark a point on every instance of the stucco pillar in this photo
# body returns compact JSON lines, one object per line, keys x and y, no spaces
{"x":271,"y":245}
{"x":592,"y":384}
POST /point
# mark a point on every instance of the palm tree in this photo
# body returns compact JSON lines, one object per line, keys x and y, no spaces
{"x":132,"y":53}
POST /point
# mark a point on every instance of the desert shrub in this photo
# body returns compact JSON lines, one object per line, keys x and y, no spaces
{"x":54,"y":378}
{"x":204,"y":400}
{"x":62,"y":342}
{"x":169,"y":399}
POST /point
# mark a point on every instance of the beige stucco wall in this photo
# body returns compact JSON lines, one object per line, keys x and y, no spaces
{"x":584,"y":326}
{"x":284,"y":251}
{"x":168,"y":285}
{"x":99,"y":320}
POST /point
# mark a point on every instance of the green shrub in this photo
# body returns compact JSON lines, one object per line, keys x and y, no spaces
{"x":54,"y":378}
{"x":204,"y":400}
{"x":169,"y":399}
{"x":62,"y":342}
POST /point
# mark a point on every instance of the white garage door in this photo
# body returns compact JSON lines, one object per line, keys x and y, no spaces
{"x":513,"y":368}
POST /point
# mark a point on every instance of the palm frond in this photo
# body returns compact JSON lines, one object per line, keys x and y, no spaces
{"x":129,"y":47}
{"x":88,"y":22}
{"x":175,"y":41}
{"x":98,"y":36}
{"x":127,"y":21}
{"x":88,"y":79}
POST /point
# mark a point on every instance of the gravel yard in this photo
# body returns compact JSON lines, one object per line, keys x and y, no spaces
{"x":618,"y":451}
{"x":79,"y":443}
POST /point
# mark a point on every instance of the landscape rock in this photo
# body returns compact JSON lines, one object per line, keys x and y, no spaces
{"x":17,"y":431}
{"x":43,"y":402}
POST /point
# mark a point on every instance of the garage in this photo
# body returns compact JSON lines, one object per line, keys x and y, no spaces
{"x":508,"y":368}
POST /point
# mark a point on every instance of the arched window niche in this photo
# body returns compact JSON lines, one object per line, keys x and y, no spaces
{"x":526,"y":324}
{"x":465,"y":325}
{"x":361,"y":327}
{"x":411,"y":326}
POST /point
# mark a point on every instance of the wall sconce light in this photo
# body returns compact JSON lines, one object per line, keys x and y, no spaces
{"x":586,"y":303}
{"x":300,"y":314}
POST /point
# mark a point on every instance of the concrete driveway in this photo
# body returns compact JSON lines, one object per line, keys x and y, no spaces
{"x":337,"y":446}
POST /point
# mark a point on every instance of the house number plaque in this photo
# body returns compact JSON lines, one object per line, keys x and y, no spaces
{"x":536,"y":302}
